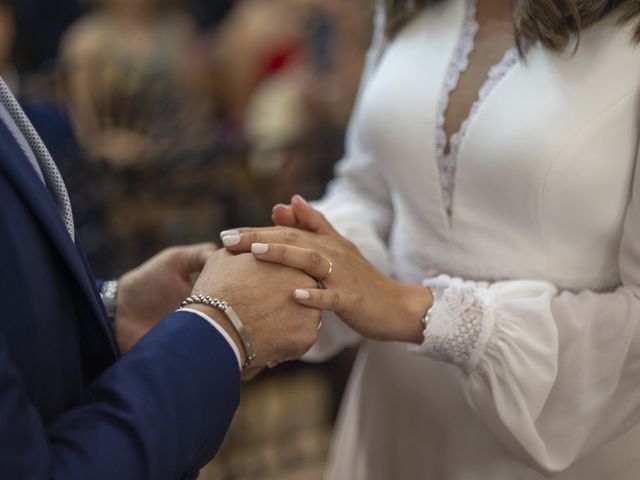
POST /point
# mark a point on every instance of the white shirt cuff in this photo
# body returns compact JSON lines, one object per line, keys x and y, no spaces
{"x":220,"y":329}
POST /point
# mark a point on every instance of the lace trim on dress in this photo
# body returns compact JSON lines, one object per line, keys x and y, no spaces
{"x":461,"y":322}
{"x":447,"y":162}
{"x":459,"y":64}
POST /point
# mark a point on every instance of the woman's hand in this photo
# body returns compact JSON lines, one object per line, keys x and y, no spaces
{"x":371,"y":303}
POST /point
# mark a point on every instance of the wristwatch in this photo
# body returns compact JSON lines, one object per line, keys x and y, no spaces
{"x":109,"y":295}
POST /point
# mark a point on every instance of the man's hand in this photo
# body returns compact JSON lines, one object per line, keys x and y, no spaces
{"x":155,"y":289}
{"x":261,"y":294}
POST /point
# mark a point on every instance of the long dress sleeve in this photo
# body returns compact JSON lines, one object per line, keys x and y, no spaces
{"x":554,"y":375}
{"x":357,"y":204}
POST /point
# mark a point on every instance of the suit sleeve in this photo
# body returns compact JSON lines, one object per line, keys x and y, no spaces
{"x":161,"y":412}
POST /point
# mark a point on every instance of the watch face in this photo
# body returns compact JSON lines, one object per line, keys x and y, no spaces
{"x":109,"y":295}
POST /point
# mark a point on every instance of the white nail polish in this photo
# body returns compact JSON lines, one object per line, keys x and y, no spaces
{"x":226,"y":233}
{"x":231,"y":240}
{"x":302,"y":294}
{"x":259,"y":248}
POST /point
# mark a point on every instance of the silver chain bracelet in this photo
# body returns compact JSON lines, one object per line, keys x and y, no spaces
{"x":232,"y":316}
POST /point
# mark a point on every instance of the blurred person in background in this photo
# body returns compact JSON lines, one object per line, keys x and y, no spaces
{"x":257,"y":40}
{"x":8,"y":69}
{"x":37,"y":93}
{"x":41,"y":24}
{"x":72,"y":404}
{"x":493,"y":182}
{"x":288,"y":72}
{"x":208,"y":14}
{"x":134,"y":74}
{"x":39,"y":104}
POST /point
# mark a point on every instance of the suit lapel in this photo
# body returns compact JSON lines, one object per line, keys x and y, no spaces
{"x":18,"y":170}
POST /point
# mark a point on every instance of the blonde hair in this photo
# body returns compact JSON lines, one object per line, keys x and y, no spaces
{"x":550,"y":22}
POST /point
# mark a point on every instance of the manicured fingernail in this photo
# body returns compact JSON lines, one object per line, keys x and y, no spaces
{"x":231,"y":240}
{"x":226,"y":233}
{"x":302,"y":294}
{"x":259,"y":248}
{"x":301,"y":199}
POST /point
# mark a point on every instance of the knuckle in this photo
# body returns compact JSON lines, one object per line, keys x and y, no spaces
{"x":314,"y":258}
{"x":334,"y":301}
{"x":349,"y":245}
{"x":290,"y":236}
{"x":252,"y":237}
{"x":172,"y":254}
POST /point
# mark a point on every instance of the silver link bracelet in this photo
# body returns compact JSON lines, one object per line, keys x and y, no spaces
{"x":232,"y":316}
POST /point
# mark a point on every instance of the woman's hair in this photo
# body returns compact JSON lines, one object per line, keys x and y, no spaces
{"x":551,"y":22}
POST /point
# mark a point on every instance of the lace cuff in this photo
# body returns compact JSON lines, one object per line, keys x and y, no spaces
{"x":461,"y":322}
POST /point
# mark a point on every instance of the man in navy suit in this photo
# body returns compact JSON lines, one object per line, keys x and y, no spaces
{"x":72,"y":404}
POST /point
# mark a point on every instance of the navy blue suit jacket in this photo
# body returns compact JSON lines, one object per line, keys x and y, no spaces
{"x":70,"y":408}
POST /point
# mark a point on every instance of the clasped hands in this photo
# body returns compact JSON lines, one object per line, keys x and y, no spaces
{"x":280,"y":328}
{"x":371,"y":303}
{"x":267,"y":275}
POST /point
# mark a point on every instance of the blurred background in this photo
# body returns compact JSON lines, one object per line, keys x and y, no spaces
{"x":172,"y":120}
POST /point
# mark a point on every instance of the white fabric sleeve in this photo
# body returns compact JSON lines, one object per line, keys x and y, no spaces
{"x":220,"y":330}
{"x":357,"y":204}
{"x":554,"y":375}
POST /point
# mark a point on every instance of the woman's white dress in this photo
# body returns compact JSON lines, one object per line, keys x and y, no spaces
{"x":528,"y":233}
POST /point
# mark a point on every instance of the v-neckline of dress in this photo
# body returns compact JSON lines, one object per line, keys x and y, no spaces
{"x":459,"y":63}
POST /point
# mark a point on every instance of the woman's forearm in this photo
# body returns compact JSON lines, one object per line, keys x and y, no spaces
{"x":405,"y":324}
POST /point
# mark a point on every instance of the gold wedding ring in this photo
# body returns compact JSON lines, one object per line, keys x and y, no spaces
{"x":319,"y":325}
{"x":330,"y":269}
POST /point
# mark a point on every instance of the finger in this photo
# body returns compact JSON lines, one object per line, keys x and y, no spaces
{"x":193,"y":258}
{"x":308,"y":260}
{"x":241,"y":230}
{"x":309,"y":218}
{"x":237,"y":231}
{"x":332,"y":300}
{"x":230,"y":238}
{"x":240,"y":241}
{"x":284,"y":216}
